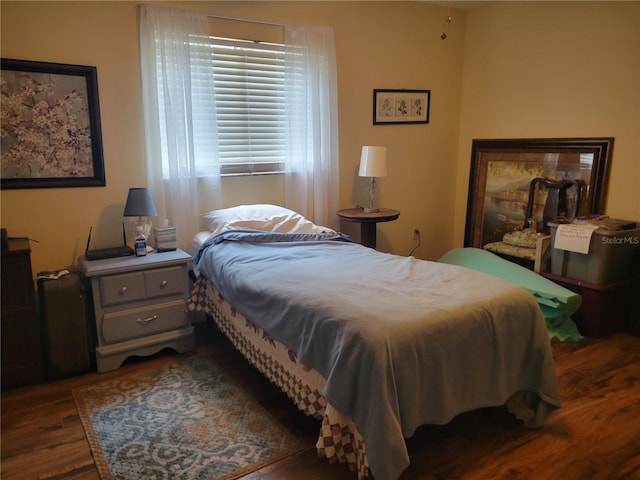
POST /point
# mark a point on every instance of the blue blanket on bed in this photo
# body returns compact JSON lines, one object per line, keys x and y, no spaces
{"x":401,"y":342}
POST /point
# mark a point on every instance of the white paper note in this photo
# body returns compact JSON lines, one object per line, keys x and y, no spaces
{"x":574,"y":238}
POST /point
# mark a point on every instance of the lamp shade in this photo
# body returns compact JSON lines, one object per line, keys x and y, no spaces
{"x":373,"y":162}
{"x":139,"y":204}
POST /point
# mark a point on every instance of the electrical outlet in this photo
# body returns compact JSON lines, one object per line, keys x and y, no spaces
{"x":416,"y":233}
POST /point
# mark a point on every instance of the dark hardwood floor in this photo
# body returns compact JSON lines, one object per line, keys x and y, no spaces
{"x":595,"y":435}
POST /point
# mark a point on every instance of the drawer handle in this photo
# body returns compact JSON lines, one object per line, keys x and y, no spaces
{"x":123,"y":290}
{"x":144,"y":321}
{"x":164,"y":284}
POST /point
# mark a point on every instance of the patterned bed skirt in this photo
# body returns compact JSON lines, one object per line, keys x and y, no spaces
{"x":339,"y":439}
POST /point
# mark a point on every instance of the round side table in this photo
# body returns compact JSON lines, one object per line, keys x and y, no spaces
{"x":368,"y":221}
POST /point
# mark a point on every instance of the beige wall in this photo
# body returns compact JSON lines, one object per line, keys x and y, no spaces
{"x":555,"y":69}
{"x":379,"y":45}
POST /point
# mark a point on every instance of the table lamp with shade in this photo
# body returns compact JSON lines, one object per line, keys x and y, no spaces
{"x":373,"y":163}
{"x":140,"y":204}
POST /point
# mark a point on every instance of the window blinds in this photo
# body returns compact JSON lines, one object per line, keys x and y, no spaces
{"x":250,"y":105}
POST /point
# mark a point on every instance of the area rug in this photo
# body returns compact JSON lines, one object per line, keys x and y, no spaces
{"x":182,"y":421}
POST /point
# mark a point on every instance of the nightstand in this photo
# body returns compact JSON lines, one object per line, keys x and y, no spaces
{"x":139,"y":305}
{"x":368,"y":221}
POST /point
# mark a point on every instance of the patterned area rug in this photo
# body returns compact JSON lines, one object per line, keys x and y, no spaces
{"x":182,"y":421}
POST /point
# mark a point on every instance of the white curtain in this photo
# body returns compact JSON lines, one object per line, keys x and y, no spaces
{"x":312,"y":164}
{"x":183,"y":173}
{"x":180,"y":120}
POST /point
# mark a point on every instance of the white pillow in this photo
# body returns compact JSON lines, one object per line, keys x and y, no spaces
{"x":264,"y":217}
{"x":216,"y":218}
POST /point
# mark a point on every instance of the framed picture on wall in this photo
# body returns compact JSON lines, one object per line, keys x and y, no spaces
{"x":51,"y":132}
{"x":502,"y":171}
{"x":401,"y":106}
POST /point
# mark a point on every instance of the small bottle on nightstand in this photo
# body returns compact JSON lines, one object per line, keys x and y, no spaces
{"x":140,"y":243}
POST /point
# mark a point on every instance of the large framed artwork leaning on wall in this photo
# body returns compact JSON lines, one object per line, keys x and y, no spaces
{"x":502,"y":170}
{"x":51,"y":131}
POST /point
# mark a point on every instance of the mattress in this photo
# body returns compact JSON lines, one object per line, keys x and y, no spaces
{"x":399,"y":342}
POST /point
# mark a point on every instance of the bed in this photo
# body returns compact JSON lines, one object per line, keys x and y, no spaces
{"x":373,"y":344}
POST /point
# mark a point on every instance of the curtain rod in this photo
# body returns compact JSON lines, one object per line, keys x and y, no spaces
{"x":260,"y":22}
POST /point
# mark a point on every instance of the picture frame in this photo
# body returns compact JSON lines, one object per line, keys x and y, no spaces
{"x":501,"y":172}
{"x":51,"y":130}
{"x":400,"y":106}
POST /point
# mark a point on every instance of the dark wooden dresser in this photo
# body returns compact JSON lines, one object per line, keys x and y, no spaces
{"x":22,"y":359}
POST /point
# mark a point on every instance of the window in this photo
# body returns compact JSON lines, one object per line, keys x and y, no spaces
{"x":249,"y":86}
{"x":250,"y":105}
{"x":293,"y":70}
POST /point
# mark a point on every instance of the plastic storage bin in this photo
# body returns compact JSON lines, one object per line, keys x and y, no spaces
{"x":610,"y":259}
{"x":605,"y":309}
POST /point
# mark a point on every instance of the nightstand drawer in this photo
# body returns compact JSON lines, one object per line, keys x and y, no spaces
{"x":139,"y":322}
{"x":124,"y":288}
{"x":164,"y":282}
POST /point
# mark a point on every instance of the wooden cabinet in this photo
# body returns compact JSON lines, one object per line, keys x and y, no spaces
{"x":22,"y":359}
{"x":139,"y":304}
